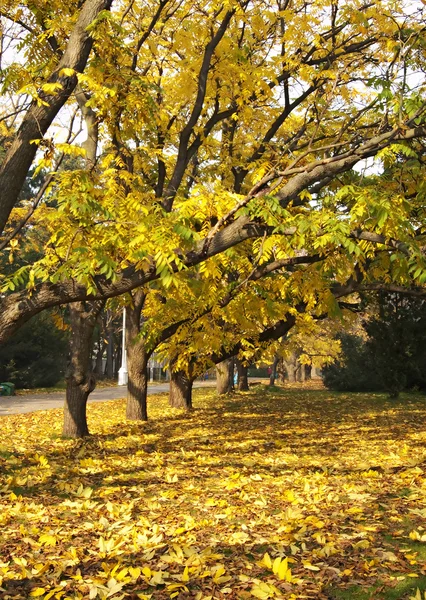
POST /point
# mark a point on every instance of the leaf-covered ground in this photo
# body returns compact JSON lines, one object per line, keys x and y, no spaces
{"x":285,"y":494}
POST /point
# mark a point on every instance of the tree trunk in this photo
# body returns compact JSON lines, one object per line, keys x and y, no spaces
{"x":80,"y":378}
{"x":137,"y":371}
{"x":224,"y":376}
{"x":180,"y":390}
{"x":117,"y":359}
{"x":291,"y":367}
{"x":315,"y":372}
{"x":75,"y":420}
{"x":243,"y":385}
{"x":302,"y":372}
{"x":109,"y":367}
{"x":137,"y":362}
{"x":281,"y":371}
{"x":99,"y":358}
{"x":273,"y":374}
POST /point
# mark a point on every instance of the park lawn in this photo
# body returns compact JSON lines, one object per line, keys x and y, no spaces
{"x":282,"y":494}
{"x":60,"y":387}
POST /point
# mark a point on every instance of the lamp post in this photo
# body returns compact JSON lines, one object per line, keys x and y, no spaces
{"x":122,"y":372}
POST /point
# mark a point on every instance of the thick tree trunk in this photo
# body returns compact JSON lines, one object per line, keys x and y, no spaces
{"x":137,"y":361}
{"x":180,"y":390}
{"x":136,"y":407}
{"x":291,"y":367}
{"x":75,"y":421}
{"x":80,"y":378}
{"x":301,"y":372}
{"x":290,"y":373}
{"x":243,"y":385}
{"x":224,"y":376}
{"x":315,"y":372}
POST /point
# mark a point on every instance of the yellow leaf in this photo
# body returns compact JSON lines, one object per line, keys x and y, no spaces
{"x":51,"y":88}
{"x":307,"y":565}
{"x":37,"y":592}
{"x":119,"y":576}
{"x":276,"y":565}
{"x":185,"y":575}
{"x":135,"y":572}
{"x":177,"y":586}
{"x":283,"y":568}
{"x":66,"y":72}
{"x":263,"y":591}
{"x":47,"y":540}
{"x":157,"y":578}
{"x":258,"y":593}
{"x":267,"y":560}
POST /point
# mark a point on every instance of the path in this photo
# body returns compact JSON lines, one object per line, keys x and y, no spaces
{"x":12,"y":405}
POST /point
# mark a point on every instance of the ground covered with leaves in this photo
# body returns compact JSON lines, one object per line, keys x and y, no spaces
{"x":279,"y":494}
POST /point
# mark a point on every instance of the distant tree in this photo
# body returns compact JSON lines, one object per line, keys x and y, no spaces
{"x":397,"y":342}
{"x":36,"y":356}
{"x":354,"y":370}
{"x":393,"y":356}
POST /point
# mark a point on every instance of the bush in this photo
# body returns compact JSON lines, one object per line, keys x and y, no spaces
{"x":36,"y":356}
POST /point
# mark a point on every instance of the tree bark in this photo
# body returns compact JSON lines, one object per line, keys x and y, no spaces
{"x":80,"y":378}
{"x":180,"y":390}
{"x":301,"y":372}
{"x":137,"y":361}
{"x":243,"y":385}
{"x":136,"y":407}
{"x":224,"y":376}
{"x":291,"y":368}
{"x":273,"y":375}
{"x":99,"y":358}
{"x":75,"y":419}
{"x":109,"y":367}
{"x":281,"y":371}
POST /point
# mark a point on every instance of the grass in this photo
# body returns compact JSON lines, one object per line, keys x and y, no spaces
{"x":403,"y":589}
{"x":281,"y":493}
{"x":61,"y":386}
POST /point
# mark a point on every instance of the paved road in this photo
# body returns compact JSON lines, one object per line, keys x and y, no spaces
{"x":11,"y":405}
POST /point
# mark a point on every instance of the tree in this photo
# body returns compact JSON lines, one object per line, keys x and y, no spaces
{"x":354,"y":370}
{"x":397,"y":342}
{"x":391,"y":354}
{"x":249,"y":137}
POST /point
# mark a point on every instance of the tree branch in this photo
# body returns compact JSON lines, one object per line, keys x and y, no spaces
{"x":38,"y":119}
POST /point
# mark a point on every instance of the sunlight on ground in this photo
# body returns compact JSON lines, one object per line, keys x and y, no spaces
{"x":291,"y":494}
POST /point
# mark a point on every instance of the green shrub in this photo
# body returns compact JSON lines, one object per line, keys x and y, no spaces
{"x":36,"y":356}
